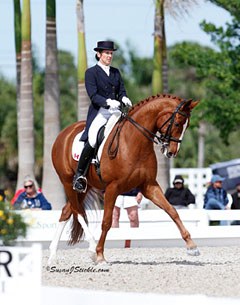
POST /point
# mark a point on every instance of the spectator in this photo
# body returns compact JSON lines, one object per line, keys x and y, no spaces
{"x":21,"y":190}
{"x":128,"y":201}
{"x":216,"y":197}
{"x":179,"y":196}
{"x":31,"y":198}
{"x":18,"y":192}
{"x":236,"y":198}
{"x":236,"y":202}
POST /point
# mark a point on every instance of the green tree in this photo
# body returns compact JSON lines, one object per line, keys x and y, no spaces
{"x":139,"y":77}
{"x":184,"y":80}
{"x":220,"y":70}
{"x":8,"y":132}
{"x":68,"y":88}
{"x":8,"y":121}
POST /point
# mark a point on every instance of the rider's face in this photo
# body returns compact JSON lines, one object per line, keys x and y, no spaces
{"x":105,"y":57}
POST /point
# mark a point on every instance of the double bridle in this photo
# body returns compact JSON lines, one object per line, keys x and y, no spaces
{"x":164,"y":138}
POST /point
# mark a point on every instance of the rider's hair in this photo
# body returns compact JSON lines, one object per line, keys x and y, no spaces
{"x":96,"y":55}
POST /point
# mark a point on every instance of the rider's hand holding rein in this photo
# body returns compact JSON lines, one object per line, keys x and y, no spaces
{"x":112,"y":103}
{"x":126,"y":101}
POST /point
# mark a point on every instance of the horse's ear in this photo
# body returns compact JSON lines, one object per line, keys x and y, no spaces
{"x":190,"y":104}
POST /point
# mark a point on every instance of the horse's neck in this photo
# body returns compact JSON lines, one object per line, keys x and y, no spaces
{"x":148,"y":114}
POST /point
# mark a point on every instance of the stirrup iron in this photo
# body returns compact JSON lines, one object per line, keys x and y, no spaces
{"x":80,"y":184}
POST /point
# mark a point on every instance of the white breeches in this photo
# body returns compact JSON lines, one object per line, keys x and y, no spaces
{"x":101,"y":118}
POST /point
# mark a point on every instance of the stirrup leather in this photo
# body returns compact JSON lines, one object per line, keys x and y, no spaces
{"x":80,"y":184}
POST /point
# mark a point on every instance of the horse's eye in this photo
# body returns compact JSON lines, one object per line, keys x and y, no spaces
{"x":177,"y":124}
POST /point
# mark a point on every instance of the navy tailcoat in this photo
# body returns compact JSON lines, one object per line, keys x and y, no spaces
{"x":101,"y":87}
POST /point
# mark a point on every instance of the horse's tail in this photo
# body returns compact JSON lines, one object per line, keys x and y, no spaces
{"x":76,"y":231}
{"x":92,"y":203}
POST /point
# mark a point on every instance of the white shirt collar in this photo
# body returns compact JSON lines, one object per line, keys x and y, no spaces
{"x":105,"y":68}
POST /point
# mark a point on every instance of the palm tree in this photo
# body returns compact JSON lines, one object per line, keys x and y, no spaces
{"x":18,"y":42}
{"x":157,"y":79}
{"x":83,"y":99}
{"x":51,"y":185}
{"x":25,"y":111}
{"x":160,"y":69}
{"x":159,"y":82}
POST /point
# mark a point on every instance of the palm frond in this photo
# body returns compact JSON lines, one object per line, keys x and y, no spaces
{"x":179,"y":8}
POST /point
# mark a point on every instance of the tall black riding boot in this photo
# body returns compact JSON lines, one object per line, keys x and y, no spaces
{"x":79,"y":179}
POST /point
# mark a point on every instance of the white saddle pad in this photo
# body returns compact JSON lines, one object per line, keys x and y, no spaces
{"x":78,"y":145}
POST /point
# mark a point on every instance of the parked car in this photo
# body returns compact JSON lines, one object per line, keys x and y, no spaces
{"x":230,"y":170}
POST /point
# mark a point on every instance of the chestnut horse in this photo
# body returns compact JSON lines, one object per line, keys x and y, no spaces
{"x":162,"y":119}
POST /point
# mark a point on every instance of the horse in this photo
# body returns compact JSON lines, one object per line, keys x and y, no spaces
{"x":128,"y":160}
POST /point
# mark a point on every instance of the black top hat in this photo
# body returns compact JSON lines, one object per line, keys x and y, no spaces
{"x":105,"y":45}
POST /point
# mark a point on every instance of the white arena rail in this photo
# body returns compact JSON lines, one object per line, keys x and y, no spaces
{"x":156,"y":228}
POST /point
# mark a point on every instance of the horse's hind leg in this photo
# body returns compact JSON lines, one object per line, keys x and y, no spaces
{"x":155,"y":194}
{"x":88,"y":234}
{"x":77,"y":201}
{"x":64,"y":218}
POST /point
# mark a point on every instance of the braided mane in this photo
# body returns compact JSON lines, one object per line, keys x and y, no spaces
{"x":150,"y":99}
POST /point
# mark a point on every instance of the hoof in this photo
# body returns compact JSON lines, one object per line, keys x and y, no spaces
{"x":52,"y":260}
{"x":103,"y":263}
{"x":100,"y":260}
{"x":93,"y":256}
{"x":193,"y":251}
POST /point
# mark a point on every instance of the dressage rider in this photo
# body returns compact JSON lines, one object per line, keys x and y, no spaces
{"x":105,"y":89}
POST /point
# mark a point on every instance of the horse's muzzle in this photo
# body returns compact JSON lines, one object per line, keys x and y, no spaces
{"x":165,"y":152}
{"x":169,"y":155}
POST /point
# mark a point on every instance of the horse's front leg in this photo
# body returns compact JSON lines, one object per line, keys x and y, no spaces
{"x":109,"y":202}
{"x":155,"y":194}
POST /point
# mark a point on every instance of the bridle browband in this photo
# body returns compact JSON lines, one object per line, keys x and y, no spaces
{"x":163,"y":138}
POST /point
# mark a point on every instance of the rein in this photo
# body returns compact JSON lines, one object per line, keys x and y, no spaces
{"x":163,"y":139}
{"x":144,"y":131}
{"x":112,"y":152}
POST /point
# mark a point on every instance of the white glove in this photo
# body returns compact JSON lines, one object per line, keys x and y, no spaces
{"x":126,"y":101}
{"x":112,"y":103}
